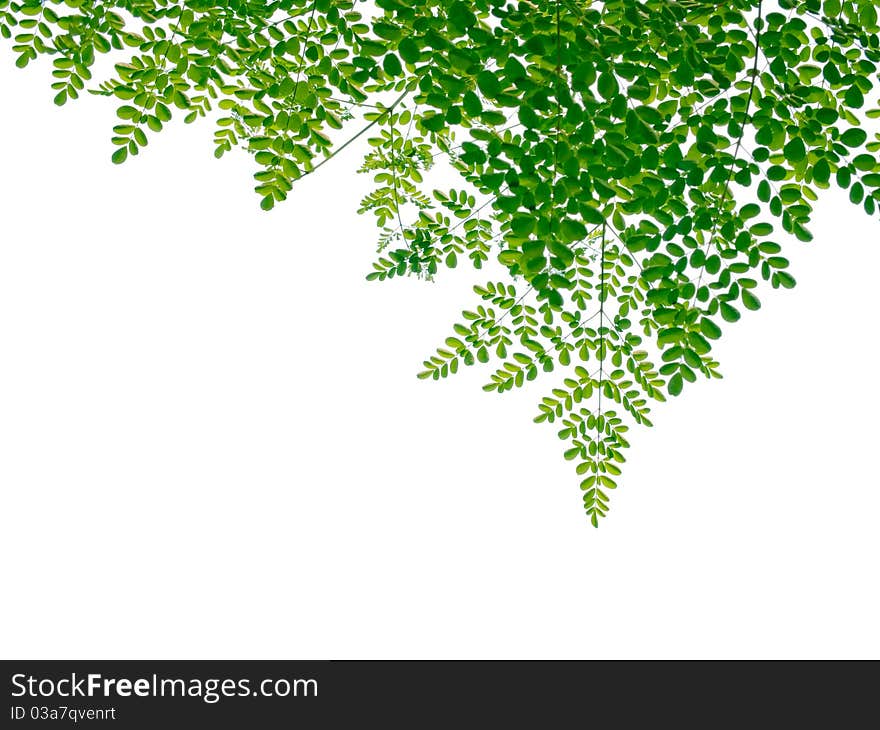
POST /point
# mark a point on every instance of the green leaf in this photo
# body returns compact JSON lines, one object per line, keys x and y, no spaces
{"x":710,"y":329}
{"x":433,"y":122}
{"x":822,"y":171}
{"x":750,"y":210}
{"x":460,"y":16}
{"x":409,"y":50}
{"x":856,"y":193}
{"x":488,"y":83}
{"x":854,"y":137}
{"x":528,"y":117}
{"x":391,"y":65}
{"x":607,"y":85}
{"x":728,"y":312}
{"x":795,"y":150}
{"x":573,"y":230}
{"x":854,"y":98}
{"x":786,"y":279}
{"x":864,"y":162}
{"x":802,"y":233}
{"x":750,"y":301}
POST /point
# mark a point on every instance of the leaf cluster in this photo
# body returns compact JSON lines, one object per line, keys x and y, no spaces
{"x":634,"y":167}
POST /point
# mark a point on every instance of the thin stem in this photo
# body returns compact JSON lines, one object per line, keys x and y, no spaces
{"x":601,"y":328}
{"x":302,"y":55}
{"x":742,"y":132}
{"x":363,"y":131}
{"x":392,"y":161}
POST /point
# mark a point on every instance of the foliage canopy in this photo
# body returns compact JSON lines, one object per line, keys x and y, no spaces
{"x":634,"y":166}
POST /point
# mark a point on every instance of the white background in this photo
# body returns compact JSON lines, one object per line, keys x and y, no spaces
{"x":213,"y":443}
